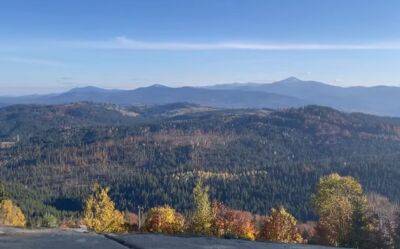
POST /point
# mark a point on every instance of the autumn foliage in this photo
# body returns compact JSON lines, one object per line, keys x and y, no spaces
{"x":202,"y":216}
{"x":280,"y":226}
{"x":100,"y":214}
{"x":131,"y":221}
{"x":345,"y":218}
{"x":335,"y":201}
{"x":228,"y":222}
{"x":164,"y":220}
{"x":11,"y":214}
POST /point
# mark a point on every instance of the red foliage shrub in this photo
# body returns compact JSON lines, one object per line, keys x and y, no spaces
{"x":228,"y":222}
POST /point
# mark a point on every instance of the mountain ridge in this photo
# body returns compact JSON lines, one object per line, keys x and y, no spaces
{"x":159,"y":94}
{"x":291,"y":92}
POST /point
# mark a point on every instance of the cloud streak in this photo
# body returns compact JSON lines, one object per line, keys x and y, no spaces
{"x":32,"y":61}
{"x":123,"y":43}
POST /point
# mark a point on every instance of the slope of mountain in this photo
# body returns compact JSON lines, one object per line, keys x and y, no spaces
{"x":253,"y":159}
{"x":26,"y":120}
{"x":159,"y":94}
{"x":379,"y":100}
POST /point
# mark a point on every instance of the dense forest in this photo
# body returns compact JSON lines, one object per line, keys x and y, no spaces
{"x":254,"y":159}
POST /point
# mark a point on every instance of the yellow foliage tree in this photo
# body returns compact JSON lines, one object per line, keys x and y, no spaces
{"x":202,"y":216}
{"x":335,"y":201}
{"x":11,"y":215}
{"x":100,"y":214}
{"x":164,"y":220}
{"x":334,"y":226}
{"x":280,"y":226}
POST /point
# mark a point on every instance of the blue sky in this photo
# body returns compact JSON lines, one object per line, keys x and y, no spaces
{"x":48,"y":46}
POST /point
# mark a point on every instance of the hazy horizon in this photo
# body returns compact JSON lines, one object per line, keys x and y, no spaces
{"x":135,"y":86}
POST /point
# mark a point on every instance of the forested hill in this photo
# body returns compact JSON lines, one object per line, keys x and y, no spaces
{"x":27,"y":120}
{"x":254,"y":159}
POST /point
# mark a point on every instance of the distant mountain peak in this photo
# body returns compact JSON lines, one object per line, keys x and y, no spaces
{"x":158,"y":86}
{"x":292,"y":79}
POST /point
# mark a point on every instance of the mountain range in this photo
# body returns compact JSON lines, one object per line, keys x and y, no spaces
{"x":290,"y":92}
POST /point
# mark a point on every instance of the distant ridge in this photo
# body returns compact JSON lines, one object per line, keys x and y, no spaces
{"x":290,"y":92}
{"x":88,"y":89}
{"x":378,"y":100}
{"x":160,"y":94}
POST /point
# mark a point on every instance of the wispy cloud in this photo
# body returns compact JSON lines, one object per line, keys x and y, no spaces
{"x":124,"y":43}
{"x":32,"y":61}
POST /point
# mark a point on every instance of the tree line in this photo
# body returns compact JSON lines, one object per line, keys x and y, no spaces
{"x":347,"y":217}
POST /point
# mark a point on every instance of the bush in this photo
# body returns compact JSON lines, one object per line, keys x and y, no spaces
{"x":164,"y":220}
{"x":232,"y":223}
{"x":131,"y":221}
{"x":50,"y":221}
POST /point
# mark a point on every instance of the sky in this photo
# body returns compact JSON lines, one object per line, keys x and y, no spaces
{"x":51,"y":46}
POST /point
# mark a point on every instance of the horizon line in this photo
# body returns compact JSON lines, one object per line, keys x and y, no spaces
{"x":193,"y":86}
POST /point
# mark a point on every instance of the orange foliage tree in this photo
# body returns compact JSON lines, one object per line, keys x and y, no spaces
{"x":228,"y":222}
{"x":280,"y":226}
{"x":164,"y":220}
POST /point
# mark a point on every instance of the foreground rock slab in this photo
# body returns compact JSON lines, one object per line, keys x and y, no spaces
{"x":154,"y":241}
{"x":75,"y":239}
{"x":51,"y":239}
